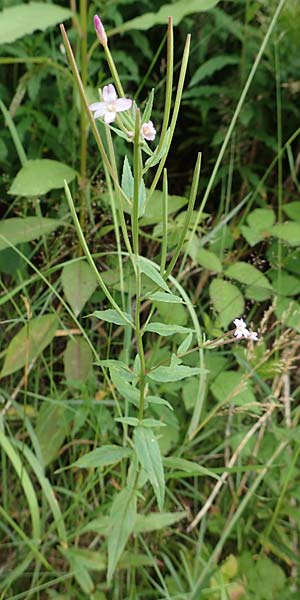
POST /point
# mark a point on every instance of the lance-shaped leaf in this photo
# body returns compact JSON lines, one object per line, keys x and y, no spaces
{"x":122,"y":521}
{"x":29,"y":342}
{"x":149,"y":455}
{"x":102,"y":457}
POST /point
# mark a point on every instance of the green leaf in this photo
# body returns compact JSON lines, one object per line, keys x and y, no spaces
{"x":78,"y":360}
{"x":152,"y":423}
{"x":156,"y":521}
{"x":216,"y":63}
{"x":158,"y":400}
{"x":51,"y":430}
{"x":148,"y":453}
{"x":29,"y":342}
{"x":154,"y":208}
{"x":102,"y":457}
{"x":178,"y":10}
{"x":164,"y":297}
{"x":129,"y":392}
{"x":288,"y":312}
{"x":292,"y":210}
{"x":165,"y":330}
{"x":288,"y":232}
{"x":18,"y":230}
{"x":187,"y":466}
{"x":132,"y":421}
{"x":17,"y":21}
{"x":148,"y":108}
{"x":151,"y":270}
{"x":258,"y":293}
{"x":79,"y":282}
{"x":127,"y":182}
{"x":248,"y":274}
{"x":208,"y":260}
{"x":252,"y":236}
{"x":40,"y":176}
{"x":228,"y":386}
{"x":111,"y":316}
{"x":227,"y":300}
{"x":286,"y":284}
{"x":261,"y":219}
{"x":174,"y":373}
{"x":122,"y":521}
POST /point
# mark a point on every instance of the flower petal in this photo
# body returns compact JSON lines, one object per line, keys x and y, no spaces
{"x":110,"y":116}
{"x":96,"y":106}
{"x":123,"y":104}
{"x":109,"y":93}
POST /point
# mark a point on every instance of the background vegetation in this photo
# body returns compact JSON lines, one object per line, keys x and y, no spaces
{"x":230,"y":436}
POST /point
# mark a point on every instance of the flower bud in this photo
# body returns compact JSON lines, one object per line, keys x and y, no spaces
{"x":100,"y":31}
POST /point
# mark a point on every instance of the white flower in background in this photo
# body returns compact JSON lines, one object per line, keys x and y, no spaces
{"x":148,"y":131}
{"x":111,"y":104}
{"x":253,"y":335}
{"x":241,"y":329}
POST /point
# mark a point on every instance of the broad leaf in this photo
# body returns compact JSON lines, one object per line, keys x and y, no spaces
{"x":292,"y":210}
{"x":248,"y":274}
{"x":29,"y":342}
{"x":79,"y":282}
{"x":178,"y":10}
{"x":18,"y":231}
{"x":229,"y":386}
{"x":102,"y":457}
{"x":40,"y":176}
{"x":154,"y":207}
{"x":288,"y":232}
{"x":227,"y":300}
{"x":208,"y":260}
{"x":78,"y":360}
{"x":148,"y":453}
{"x":122,"y":522}
{"x":17,"y":21}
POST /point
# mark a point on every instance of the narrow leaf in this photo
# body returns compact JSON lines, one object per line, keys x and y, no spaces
{"x":29,"y":342}
{"x":173,"y":373}
{"x":149,"y":455}
{"x":122,"y":519}
{"x":111,"y":316}
{"x":165,"y":330}
{"x":156,"y":521}
{"x":151,"y":270}
{"x":102,"y":457}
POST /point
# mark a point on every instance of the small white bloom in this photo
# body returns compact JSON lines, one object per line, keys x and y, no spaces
{"x":241,"y":329}
{"x":111,"y":104}
{"x":253,"y":335}
{"x":148,"y":131}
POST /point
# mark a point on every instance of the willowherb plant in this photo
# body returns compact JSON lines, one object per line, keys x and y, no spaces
{"x":137,"y":382}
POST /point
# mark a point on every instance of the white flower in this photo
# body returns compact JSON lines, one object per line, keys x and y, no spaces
{"x":111,"y":104}
{"x":148,"y":131}
{"x":241,"y":329}
{"x":253,"y":335}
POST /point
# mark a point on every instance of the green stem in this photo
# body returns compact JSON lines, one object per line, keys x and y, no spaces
{"x":90,"y":258}
{"x":169,"y":84}
{"x":164,"y":243}
{"x":137,"y":181}
{"x":182,"y":74}
{"x":190,"y":209}
{"x":83,"y":122}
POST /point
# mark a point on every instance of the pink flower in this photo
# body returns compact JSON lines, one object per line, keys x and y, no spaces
{"x":100,"y":31}
{"x":111,"y":104}
{"x":148,"y":131}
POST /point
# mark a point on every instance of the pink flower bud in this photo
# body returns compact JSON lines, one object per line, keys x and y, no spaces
{"x":148,"y":131}
{"x":100,"y":31}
